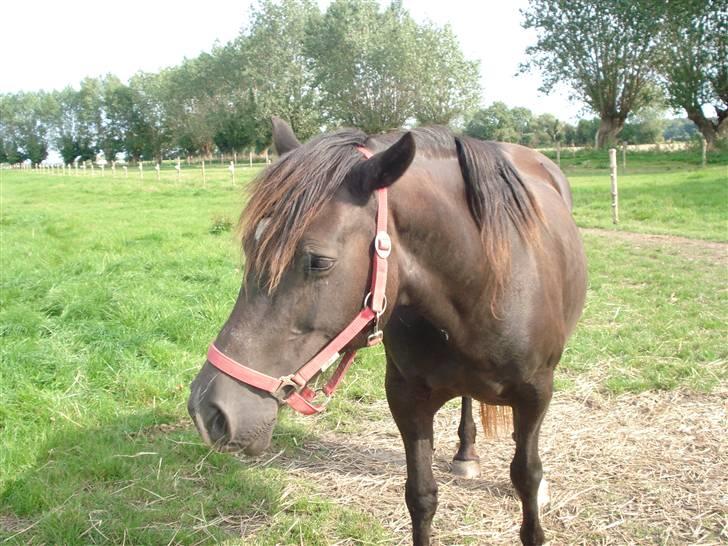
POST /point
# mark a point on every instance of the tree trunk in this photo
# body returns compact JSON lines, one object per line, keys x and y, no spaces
{"x":705,"y":125}
{"x":609,"y":128}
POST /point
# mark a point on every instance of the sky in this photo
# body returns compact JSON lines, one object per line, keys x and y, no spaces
{"x":59,"y":43}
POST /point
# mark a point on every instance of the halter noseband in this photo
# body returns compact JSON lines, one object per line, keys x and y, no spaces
{"x":292,"y":389}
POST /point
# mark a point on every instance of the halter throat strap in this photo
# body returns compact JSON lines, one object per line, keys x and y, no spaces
{"x":293,"y":389}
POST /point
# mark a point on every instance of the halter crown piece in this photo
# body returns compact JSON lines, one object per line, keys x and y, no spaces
{"x":292,"y":389}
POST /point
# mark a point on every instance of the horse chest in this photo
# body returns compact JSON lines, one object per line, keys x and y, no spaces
{"x":431,"y":356}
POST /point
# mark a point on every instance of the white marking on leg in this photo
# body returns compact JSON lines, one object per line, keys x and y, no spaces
{"x":543,"y":497}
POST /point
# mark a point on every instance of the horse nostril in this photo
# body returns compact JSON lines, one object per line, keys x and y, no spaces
{"x":218,"y":428}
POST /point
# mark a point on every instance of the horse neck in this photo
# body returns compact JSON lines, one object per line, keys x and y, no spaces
{"x":441,"y":266}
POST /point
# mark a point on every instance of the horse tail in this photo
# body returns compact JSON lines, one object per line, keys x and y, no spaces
{"x":497,"y":420}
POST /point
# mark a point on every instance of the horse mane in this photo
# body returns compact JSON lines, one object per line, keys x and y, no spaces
{"x":294,"y":189}
{"x":498,"y":198}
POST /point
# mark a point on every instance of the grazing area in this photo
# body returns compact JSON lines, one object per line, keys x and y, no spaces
{"x":111,"y":289}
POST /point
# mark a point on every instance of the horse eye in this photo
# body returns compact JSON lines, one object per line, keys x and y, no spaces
{"x":320,"y":263}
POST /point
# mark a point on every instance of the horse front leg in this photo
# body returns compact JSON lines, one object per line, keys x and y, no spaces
{"x":414,"y":410}
{"x":529,"y":410}
{"x":466,"y":463}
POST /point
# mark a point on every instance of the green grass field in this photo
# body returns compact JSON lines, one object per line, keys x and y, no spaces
{"x":112,"y":288}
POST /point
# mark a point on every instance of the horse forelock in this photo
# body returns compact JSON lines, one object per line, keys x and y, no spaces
{"x":286,"y":197}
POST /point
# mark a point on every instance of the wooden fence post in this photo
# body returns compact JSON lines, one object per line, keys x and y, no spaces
{"x":615,"y":193}
{"x":179,"y":169}
{"x":156,"y":168}
{"x":141,"y":170}
{"x":558,"y":153}
{"x":705,"y":152}
{"x":126,"y":171}
{"x":204,"y":176}
{"x":250,"y":159}
{"x":231,"y":168}
{"x":624,"y":155}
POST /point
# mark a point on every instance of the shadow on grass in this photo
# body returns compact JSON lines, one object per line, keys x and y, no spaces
{"x":135,"y":481}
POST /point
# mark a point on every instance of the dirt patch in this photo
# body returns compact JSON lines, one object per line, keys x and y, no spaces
{"x":681,"y":246}
{"x":632,"y":469}
{"x":11,"y":524}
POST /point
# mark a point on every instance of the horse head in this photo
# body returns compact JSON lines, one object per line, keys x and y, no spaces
{"x":307,"y":235}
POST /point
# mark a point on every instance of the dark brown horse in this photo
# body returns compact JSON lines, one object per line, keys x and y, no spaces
{"x":485,"y":281}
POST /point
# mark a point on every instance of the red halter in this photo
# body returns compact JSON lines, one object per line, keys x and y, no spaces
{"x":301,"y":396}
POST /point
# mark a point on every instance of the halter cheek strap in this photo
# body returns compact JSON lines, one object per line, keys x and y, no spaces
{"x":292,"y":389}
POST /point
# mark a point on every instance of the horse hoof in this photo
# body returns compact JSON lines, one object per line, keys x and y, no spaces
{"x":465,"y":469}
{"x":543,"y":497}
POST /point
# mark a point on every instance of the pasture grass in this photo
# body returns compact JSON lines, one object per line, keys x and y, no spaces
{"x":664,"y":193}
{"x":112,"y":288}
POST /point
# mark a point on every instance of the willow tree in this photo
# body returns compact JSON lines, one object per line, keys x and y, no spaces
{"x":376,"y":70}
{"x":605,"y":50}
{"x":694,"y":50}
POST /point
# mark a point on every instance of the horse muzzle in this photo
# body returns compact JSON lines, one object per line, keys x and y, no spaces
{"x":231,"y":416}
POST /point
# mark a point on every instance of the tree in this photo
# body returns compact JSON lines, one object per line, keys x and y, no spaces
{"x":680,"y":129}
{"x":116,"y":102}
{"x":378,"y":69}
{"x":448,"y":85}
{"x":192,"y":101}
{"x":70,"y":140}
{"x":149,"y":135}
{"x":645,"y":126}
{"x":604,"y":49}
{"x":694,"y":62}
{"x":498,"y":122}
{"x":26,"y":121}
{"x":238,"y":130}
{"x":548,"y":129}
{"x":276,"y":68}
{"x":586,"y":131}
{"x":492,"y":123}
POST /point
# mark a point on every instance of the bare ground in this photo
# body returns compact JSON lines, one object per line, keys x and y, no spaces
{"x":650,"y":468}
{"x":684,"y":247}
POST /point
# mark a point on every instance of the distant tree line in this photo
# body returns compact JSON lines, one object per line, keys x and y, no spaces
{"x":357,"y":64}
{"x":354,"y":64}
{"x":522,"y":126}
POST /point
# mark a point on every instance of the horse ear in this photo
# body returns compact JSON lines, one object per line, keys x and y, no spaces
{"x":283,"y":138}
{"x":385,"y":168}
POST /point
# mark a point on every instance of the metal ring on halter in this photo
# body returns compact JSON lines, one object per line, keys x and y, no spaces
{"x":384,"y":307}
{"x":375,"y":337}
{"x":286,"y":381}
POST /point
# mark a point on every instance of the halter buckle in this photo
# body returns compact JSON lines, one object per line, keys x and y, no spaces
{"x":383,"y":244}
{"x":286,"y":381}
